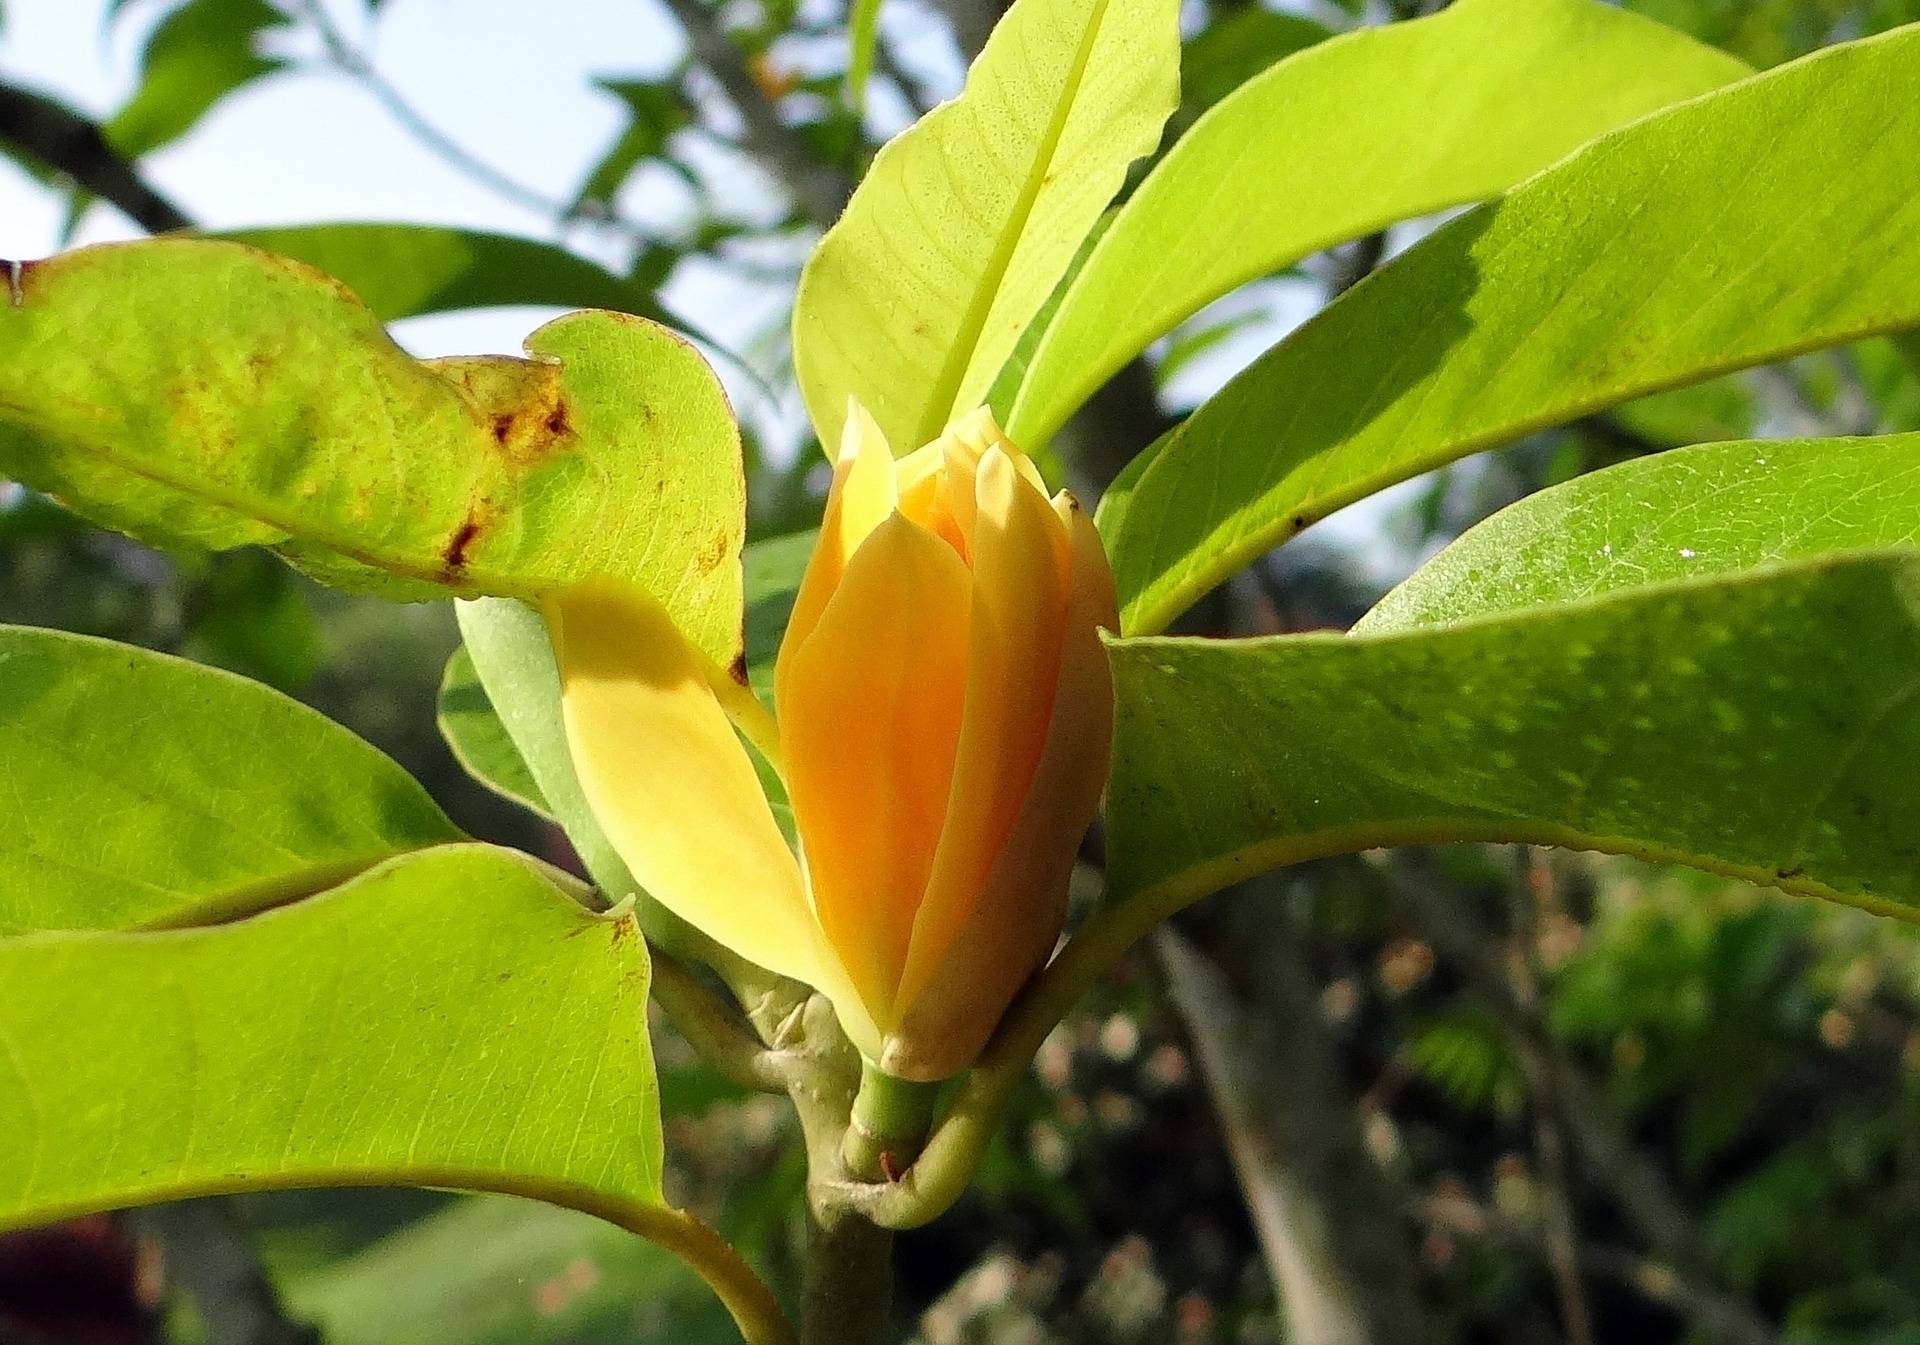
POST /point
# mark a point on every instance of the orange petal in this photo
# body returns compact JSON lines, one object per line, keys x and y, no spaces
{"x":668,"y":781}
{"x":863,"y":494}
{"x":1019,"y":603}
{"x":870,"y":709}
{"x":1023,"y":902}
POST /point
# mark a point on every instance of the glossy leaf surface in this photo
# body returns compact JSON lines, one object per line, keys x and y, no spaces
{"x":451,"y":1019}
{"x":1360,"y":131}
{"x":1693,"y":512}
{"x":1738,"y":724}
{"x":1747,"y":225}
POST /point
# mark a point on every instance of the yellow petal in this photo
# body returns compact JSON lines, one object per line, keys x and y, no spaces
{"x":1023,"y":902}
{"x":1019,"y":602}
{"x":861,"y":497}
{"x":870,"y":710}
{"x":668,"y":781}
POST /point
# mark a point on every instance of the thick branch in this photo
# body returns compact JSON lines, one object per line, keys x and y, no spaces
{"x":1327,"y":1216}
{"x":76,"y":147}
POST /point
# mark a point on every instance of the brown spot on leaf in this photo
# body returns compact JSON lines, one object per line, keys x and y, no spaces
{"x":737,"y":670}
{"x":503,"y":428}
{"x":453,"y":556}
{"x":560,"y":419}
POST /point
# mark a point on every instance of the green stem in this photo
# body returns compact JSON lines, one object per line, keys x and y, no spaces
{"x":888,"y":1125}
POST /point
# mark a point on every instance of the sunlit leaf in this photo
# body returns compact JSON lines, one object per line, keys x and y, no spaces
{"x":207,"y":394}
{"x":1348,"y":136}
{"x":450,"y":1019}
{"x":1753,"y":223}
{"x":1687,"y":514}
{"x":965,"y":222}
{"x":141,"y":788}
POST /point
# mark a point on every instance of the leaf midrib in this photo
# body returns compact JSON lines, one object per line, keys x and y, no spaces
{"x":960,"y":355}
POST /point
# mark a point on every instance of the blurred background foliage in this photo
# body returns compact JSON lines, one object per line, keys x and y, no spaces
{"x":1538,"y":1097}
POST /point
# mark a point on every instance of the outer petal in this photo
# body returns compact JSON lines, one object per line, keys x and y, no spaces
{"x":1019,"y":606}
{"x":862,"y":496}
{"x":870,"y":711}
{"x":670,"y":783}
{"x":1023,"y":902}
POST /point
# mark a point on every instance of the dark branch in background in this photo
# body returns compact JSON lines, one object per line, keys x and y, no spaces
{"x":1329,"y":1219}
{"x":75,"y":147}
{"x":1609,"y":1156}
{"x":818,"y":189}
{"x":209,"y":1255}
{"x":1549,"y":1140}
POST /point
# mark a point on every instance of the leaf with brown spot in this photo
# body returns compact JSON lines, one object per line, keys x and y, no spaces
{"x":206,"y":394}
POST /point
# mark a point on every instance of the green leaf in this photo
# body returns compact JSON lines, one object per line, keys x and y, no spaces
{"x":493,"y":1271}
{"x":1349,"y":136}
{"x":142,"y":789}
{"x":1748,"y":225}
{"x":513,"y":659}
{"x":400,"y":270}
{"x":1709,"y":510}
{"x":1738,"y":724}
{"x":655,"y":110}
{"x":450,"y":1019}
{"x":198,"y":55}
{"x":480,"y":742}
{"x":964,"y":223}
{"x":207,"y":394}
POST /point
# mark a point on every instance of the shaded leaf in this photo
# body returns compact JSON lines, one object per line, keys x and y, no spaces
{"x":401,"y":270}
{"x":965,"y":222}
{"x":1738,"y":724}
{"x":494,"y":1271}
{"x":198,"y":54}
{"x":479,"y":741}
{"x":1234,"y":48}
{"x":143,"y":788}
{"x":1750,"y":224}
{"x":1351,"y":135}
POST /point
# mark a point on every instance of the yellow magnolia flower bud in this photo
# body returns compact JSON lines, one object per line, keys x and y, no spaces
{"x":944,"y":720}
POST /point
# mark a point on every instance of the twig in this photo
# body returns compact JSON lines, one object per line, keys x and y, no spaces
{"x":77,"y":148}
{"x":819,"y":190}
